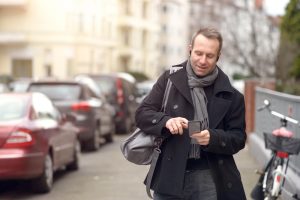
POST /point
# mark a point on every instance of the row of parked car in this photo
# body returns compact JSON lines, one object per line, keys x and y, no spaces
{"x":44,"y":124}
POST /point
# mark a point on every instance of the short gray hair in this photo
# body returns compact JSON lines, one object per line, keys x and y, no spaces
{"x":210,"y":33}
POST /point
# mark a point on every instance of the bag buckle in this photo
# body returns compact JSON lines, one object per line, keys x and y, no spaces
{"x":158,"y":141}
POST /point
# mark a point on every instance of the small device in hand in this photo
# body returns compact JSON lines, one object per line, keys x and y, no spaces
{"x":194,"y":126}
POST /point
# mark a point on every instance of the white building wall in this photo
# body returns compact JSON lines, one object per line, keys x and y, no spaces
{"x":174,"y":38}
{"x":68,"y":36}
{"x":138,"y":29}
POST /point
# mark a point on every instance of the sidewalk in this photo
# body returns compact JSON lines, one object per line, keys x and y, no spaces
{"x":247,"y":166}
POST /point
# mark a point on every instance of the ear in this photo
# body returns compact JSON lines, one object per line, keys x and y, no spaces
{"x":190,"y":49}
{"x":218,"y":56}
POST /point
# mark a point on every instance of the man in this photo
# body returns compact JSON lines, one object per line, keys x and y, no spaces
{"x":200,"y":166}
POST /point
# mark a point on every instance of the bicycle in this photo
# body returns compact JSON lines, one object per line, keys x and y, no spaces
{"x":282,"y":144}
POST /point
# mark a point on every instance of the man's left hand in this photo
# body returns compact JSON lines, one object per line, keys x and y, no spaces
{"x":202,"y":137}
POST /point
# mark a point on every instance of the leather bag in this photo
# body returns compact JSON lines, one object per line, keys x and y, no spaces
{"x":138,"y":147}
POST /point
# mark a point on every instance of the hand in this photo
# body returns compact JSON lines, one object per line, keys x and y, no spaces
{"x":176,"y":125}
{"x":202,"y":137}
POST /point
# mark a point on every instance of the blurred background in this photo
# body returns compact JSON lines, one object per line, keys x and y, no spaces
{"x":95,"y":61}
{"x":40,"y":38}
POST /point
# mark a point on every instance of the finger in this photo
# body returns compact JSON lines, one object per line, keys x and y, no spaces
{"x":178,"y":124}
{"x":169,"y":125}
{"x":175,"y":128}
{"x":180,"y":129}
{"x":184,"y":122}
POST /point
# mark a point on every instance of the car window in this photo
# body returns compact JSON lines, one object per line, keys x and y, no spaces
{"x":129,"y":88}
{"x":106,"y":84}
{"x":57,"y":91}
{"x":44,"y":108}
{"x":3,"y":87}
{"x":12,"y":108}
{"x":90,"y":83}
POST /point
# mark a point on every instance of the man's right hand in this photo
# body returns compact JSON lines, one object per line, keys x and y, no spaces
{"x":176,"y":125}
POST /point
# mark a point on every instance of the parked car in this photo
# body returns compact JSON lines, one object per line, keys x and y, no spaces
{"x":20,"y":85}
{"x":3,"y":88}
{"x":121,"y":92}
{"x":94,"y":116}
{"x":35,"y":140}
{"x":143,"y":89}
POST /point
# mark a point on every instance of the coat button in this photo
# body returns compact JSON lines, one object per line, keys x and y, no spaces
{"x":169,"y":158}
{"x":229,"y":185}
{"x":175,"y":106}
{"x":221,"y":162}
{"x":154,"y":121}
{"x":223,"y":144}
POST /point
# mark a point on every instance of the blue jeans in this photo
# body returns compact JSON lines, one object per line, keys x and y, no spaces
{"x":198,"y":185}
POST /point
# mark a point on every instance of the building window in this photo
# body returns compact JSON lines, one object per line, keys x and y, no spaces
{"x":125,"y":33}
{"x":22,"y":68}
{"x":165,"y":8}
{"x":164,"y":49}
{"x":145,"y":9}
{"x":48,"y":70}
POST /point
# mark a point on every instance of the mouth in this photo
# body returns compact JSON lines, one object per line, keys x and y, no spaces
{"x":201,"y":67}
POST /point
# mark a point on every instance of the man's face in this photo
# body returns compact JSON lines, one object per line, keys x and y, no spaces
{"x":204,"y":55}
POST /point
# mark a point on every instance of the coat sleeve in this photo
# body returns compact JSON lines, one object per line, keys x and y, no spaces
{"x":149,"y":116}
{"x":231,"y":138}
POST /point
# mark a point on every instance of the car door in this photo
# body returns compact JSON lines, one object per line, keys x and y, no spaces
{"x":59,"y":139}
{"x":101,"y":109}
{"x":130,"y":92}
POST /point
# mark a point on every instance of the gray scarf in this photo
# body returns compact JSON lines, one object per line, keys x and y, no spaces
{"x":196,"y":85}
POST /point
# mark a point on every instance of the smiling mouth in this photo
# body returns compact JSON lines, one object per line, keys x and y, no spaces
{"x":201,"y":68}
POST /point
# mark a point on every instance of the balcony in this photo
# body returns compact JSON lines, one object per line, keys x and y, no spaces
{"x":14,"y":3}
{"x":12,"y":38}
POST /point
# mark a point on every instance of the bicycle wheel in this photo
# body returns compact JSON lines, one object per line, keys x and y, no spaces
{"x":274,"y":178}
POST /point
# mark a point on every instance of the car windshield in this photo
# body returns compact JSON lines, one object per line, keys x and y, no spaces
{"x":58,"y":91}
{"x":12,"y":108}
{"x":20,"y":86}
{"x":106,"y":84}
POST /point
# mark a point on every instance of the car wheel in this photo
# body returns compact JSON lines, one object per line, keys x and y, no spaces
{"x":74,"y":165}
{"x":125,"y":127}
{"x":93,"y":144}
{"x":43,"y":184}
{"x":109,"y":138}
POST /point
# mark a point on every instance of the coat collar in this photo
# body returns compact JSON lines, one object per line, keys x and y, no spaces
{"x":179,"y":79}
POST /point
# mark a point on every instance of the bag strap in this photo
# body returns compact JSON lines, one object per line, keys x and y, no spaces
{"x":159,"y":140}
{"x":168,"y":87}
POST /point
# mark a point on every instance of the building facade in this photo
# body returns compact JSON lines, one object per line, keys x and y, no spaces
{"x":40,"y":38}
{"x":174,"y":37}
{"x":138,"y":36}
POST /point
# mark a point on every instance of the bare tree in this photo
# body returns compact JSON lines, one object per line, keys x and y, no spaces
{"x":250,"y":35}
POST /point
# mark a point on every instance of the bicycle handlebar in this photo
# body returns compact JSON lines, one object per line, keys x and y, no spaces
{"x":267,"y":105}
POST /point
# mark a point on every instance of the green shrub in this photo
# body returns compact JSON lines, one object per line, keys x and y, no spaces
{"x":139,"y":76}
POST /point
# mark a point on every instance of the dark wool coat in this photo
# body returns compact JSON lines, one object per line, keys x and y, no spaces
{"x":226,"y":111}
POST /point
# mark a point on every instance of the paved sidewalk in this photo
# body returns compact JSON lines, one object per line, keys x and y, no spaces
{"x":247,"y":166}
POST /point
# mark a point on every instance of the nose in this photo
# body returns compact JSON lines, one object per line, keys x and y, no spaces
{"x":202,"y":59}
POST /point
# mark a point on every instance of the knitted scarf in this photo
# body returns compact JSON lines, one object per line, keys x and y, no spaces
{"x":196,"y":85}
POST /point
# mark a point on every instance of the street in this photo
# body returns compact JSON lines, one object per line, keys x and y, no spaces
{"x":106,"y":175}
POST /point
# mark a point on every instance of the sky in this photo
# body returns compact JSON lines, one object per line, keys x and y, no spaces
{"x":275,"y":7}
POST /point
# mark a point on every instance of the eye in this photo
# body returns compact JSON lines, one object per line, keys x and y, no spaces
{"x":210,"y":56}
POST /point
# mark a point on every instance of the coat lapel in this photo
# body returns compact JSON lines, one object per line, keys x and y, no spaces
{"x":180,"y":81}
{"x":218,"y":105}
{"x":216,"y":110}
